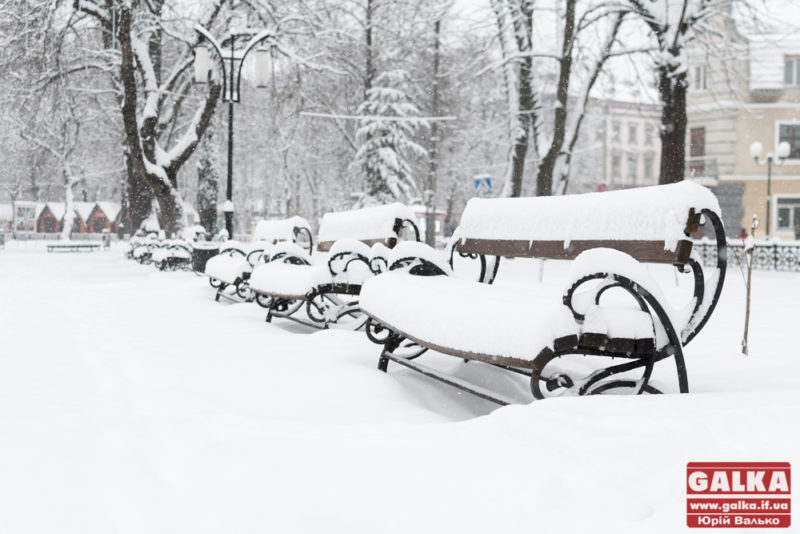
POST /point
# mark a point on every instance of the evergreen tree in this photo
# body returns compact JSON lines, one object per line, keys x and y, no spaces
{"x":385,"y":145}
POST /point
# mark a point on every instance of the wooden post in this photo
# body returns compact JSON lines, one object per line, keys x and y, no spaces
{"x":430,"y":196}
{"x":749,"y":249}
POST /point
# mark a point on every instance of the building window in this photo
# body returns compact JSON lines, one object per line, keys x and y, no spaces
{"x":633,"y":134}
{"x":697,"y":149}
{"x":616,"y":129}
{"x":697,"y":142}
{"x":632,"y":160}
{"x":648,"y":166}
{"x":791,"y":72}
{"x":789,"y":215}
{"x":649,"y":134}
{"x":790,"y":133}
{"x":615,"y":166}
{"x":699,"y":82}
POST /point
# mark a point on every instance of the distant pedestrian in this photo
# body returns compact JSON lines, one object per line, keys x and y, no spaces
{"x":743,"y":234}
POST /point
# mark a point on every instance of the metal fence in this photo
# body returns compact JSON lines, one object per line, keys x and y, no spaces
{"x":773,"y":256}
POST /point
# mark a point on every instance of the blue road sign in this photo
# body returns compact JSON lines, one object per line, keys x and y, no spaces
{"x":483,"y":185}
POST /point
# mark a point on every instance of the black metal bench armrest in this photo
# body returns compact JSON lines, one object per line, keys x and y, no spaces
{"x":489,"y":265}
{"x":254,"y":256}
{"x":707,"y":289}
{"x":287,"y":257}
{"x":298,"y":230}
{"x":399,"y":224}
{"x":418,"y":259}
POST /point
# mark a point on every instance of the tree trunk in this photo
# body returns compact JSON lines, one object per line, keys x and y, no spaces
{"x":170,"y":207}
{"x":369,"y":67}
{"x":208,"y":180}
{"x":672,"y":88}
{"x":139,"y":196}
{"x":544,"y":178}
{"x":69,"y":208}
{"x":524,"y":117}
{"x":521,"y":127}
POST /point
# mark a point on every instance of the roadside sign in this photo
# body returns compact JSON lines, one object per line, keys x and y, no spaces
{"x":483,"y":185}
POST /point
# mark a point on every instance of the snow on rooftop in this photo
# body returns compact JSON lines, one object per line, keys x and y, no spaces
{"x":110,"y":209}
{"x":84,"y":209}
{"x":767,"y":54}
{"x":57,"y":209}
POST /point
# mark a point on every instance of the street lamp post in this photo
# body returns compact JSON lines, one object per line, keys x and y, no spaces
{"x":231,"y":83}
{"x":783,"y":152}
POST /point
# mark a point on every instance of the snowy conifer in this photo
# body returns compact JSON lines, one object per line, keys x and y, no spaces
{"x":386,"y":145}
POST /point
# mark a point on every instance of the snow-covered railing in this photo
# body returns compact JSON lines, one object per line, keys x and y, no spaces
{"x":768,"y":255}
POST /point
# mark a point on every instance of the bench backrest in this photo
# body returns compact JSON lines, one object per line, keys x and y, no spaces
{"x":275,"y":231}
{"x":651,"y":224}
{"x":377,"y":224}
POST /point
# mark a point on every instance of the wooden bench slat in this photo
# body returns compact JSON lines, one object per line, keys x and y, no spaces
{"x":644,"y":251}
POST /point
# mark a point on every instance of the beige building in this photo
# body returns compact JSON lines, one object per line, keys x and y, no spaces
{"x":745,"y":90}
{"x":619,"y":146}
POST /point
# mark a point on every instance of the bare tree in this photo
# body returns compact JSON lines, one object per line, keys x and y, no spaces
{"x":671,"y":23}
{"x":152,"y":102}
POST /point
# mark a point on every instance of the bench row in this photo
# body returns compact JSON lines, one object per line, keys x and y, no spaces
{"x":410,"y":298}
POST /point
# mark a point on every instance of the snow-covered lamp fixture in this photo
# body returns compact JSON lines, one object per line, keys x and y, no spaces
{"x":262,"y":67}
{"x":756,"y":149}
{"x":784,"y":149}
{"x":777,"y":159}
{"x":201,"y":64}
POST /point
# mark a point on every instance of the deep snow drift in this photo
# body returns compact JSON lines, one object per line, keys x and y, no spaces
{"x":131,"y":402}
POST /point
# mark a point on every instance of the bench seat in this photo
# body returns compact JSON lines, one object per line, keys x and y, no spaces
{"x":164,"y":254}
{"x":298,"y":281}
{"x":228,"y":269}
{"x":610,"y":307}
{"x":497,"y":324}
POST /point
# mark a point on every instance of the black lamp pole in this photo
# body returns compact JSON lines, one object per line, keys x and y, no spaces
{"x":231,"y":83}
{"x":769,"y":161}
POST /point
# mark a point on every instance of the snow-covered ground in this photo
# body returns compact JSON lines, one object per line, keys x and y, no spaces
{"x":131,"y":402}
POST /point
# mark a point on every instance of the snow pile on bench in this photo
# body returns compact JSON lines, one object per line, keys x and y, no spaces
{"x":227,"y":269}
{"x":296,"y":281}
{"x":605,"y":260}
{"x":376,"y":222}
{"x":274,"y":231}
{"x":172,"y":249}
{"x":501,"y":322}
{"x":657,"y":213}
{"x":287,"y":248}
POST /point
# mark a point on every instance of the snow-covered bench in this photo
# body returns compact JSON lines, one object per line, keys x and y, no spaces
{"x":233,"y":265}
{"x":353,"y":246}
{"x":610,"y":307}
{"x":141,"y":247}
{"x":172,"y":254}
